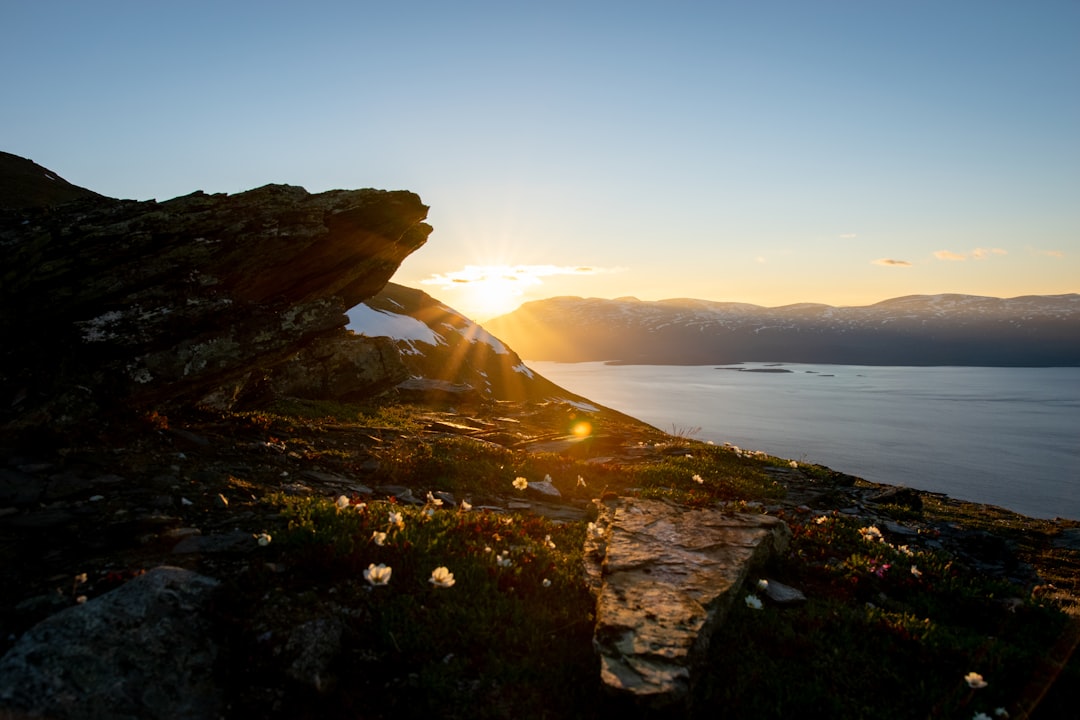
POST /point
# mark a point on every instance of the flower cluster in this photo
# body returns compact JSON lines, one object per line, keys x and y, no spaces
{"x":871,"y":534}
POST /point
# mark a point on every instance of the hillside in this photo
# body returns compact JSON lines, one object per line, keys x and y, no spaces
{"x":1036,"y":331}
{"x":445,"y":351}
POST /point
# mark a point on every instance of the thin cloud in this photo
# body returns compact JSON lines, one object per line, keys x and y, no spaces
{"x":976,"y":254}
{"x":847,"y":236}
{"x":889,"y":262}
{"x":1052,"y":253}
{"x":946,"y":255}
{"x":521,"y":275}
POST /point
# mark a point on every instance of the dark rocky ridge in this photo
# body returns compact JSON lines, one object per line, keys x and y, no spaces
{"x":25,"y":184}
{"x":125,"y":305}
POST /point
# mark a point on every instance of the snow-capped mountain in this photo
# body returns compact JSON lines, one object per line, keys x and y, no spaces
{"x":440,"y":345}
{"x":943,"y":329}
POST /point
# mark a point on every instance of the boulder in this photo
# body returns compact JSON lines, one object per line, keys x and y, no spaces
{"x":118,"y":304}
{"x":664,"y":577}
{"x":145,"y":650}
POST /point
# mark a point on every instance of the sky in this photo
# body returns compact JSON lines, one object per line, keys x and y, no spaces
{"x":766,"y":152}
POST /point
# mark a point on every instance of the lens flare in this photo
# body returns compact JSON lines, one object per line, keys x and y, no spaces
{"x":582,"y":429}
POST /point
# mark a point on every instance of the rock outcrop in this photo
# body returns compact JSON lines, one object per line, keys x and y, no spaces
{"x":142,"y":650}
{"x":665,"y":577}
{"x":110,"y":303}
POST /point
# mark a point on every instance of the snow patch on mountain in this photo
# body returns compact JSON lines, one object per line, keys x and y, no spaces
{"x":403,"y":328}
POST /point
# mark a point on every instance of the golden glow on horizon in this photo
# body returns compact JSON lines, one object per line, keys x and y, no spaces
{"x":582,"y":429}
{"x":486,"y":291}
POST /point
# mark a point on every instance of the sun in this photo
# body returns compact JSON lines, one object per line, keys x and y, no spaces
{"x":490,"y":296}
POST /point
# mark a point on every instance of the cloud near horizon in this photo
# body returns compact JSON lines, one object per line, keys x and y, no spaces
{"x":976,"y":254}
{"x":889,"y":262}
{"x":520,"y":275}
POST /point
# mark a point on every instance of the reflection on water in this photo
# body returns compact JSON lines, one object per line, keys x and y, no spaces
{"x":1003,"y":436}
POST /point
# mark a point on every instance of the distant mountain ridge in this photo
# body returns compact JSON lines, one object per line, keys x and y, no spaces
{"x":946,"y":329}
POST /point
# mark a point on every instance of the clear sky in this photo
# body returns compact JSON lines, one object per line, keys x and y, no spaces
{"x":765,"y":152}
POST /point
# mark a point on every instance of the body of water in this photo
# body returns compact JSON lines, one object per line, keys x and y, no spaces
{"x":1002,"y":436}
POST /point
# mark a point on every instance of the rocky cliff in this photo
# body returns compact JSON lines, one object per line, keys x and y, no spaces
{"x":112,"y":304}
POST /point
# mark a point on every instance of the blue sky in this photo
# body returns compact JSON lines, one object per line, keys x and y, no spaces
{"x":766,"y":152}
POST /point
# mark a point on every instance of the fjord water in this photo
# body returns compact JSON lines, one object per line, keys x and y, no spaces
{"x":1002,"y":436}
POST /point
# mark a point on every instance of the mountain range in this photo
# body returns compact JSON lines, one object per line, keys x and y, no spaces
{"x":946,"y":329}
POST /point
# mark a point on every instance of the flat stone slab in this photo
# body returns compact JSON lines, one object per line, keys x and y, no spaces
{"x":665,"y":576}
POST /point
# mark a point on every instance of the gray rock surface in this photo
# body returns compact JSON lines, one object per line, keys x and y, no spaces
{"x":343,"y":366}
{"x":665,"y":577}
{"x":143,"y":650}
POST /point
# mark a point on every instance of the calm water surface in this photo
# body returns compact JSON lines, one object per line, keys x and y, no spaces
{"x":1003,"y":436}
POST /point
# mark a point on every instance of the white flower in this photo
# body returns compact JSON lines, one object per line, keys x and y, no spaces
{"x":432,"y":500}
{"x":397,"y":521}
{"x":549,"y":542}
{"x":342,"y":502}
{"x":503,"y":559}
{"x":264,"y":539}
{"x":1002,"y":713}
{"x":359,"y":507}
{"x":980,"y":716}
{"x":916,"y":571}
{"x":379,"y":538}
{"x":465,"y":507}
{"x":580,"y":481}
{"x":595,"y":531}
{"x":975,"y":680}
{"x":81,"y":599}
{"x":547,"y":478}
{"x":763,"y":584}
{"x":441,"y":578}
{"x":377,"y":574}
{"x":545,"y":582}
{"x":698,"y":479}
{"x":520,"y":483}
{"x":793,"y":464}
{"x":821,"y":519}
{"x":753,"y":602}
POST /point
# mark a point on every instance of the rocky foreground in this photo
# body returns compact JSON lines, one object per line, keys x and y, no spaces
{"x":81,"y":524}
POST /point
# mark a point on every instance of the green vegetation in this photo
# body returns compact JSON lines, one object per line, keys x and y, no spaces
{"x":889,"y":631}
